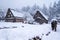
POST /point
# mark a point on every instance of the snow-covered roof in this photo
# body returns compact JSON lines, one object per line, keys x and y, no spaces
{"x":17,"y":14}
{"x":46,"y":17}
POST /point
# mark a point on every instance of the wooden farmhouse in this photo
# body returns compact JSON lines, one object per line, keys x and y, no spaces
{"x":14,"y":16}
{"x":40,"y":17}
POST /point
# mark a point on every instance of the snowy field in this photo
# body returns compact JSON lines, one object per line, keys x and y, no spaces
{"x":20,"y":31}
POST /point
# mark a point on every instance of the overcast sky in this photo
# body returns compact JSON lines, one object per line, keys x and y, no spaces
{"x":21,"y":3}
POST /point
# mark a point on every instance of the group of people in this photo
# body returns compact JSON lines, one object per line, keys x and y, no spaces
{"x":54,"y":25}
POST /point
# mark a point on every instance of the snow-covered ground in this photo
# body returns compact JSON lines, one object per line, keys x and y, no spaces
{"x":20,"y":31}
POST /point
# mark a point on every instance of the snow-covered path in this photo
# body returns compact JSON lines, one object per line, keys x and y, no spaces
{"x":27,"y":31}
{"x":53,"y":35}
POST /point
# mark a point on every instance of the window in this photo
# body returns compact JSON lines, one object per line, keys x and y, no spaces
{"x":8,"y":15}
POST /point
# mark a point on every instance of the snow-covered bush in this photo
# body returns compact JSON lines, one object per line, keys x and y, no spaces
{"x":29,"y":18}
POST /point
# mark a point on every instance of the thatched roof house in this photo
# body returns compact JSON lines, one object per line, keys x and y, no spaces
{"x":14,"y":16}
{"x":40,"y":17}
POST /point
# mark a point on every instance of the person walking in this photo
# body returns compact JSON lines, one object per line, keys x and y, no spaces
{"x":54,"y":25}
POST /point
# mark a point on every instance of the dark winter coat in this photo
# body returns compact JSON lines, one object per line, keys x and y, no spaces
{"x":54,"y":25}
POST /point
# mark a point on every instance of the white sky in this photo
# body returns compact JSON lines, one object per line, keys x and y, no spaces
{"x":21,"y":3}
